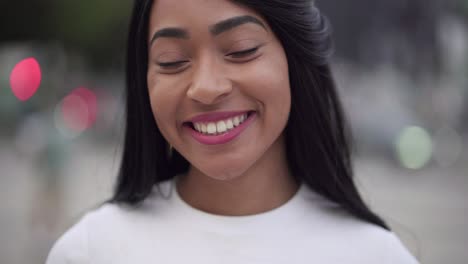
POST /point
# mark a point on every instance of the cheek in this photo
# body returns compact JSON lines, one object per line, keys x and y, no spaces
{"x":270,"y":84}
{"x":163,"y":104}
{"x":275,"y":93}
{"x":276,"y":82}
{"x":154,"y":93}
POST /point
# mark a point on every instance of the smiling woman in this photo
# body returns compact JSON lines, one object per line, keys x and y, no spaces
{"x":236,"y":147}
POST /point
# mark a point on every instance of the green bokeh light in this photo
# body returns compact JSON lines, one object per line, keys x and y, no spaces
{"x":414,"y":147}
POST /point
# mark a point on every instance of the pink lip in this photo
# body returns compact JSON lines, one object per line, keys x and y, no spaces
{"x":222,"y":138}
{"x":216,"y":116}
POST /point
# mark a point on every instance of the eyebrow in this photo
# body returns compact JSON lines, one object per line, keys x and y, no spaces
{"x":233,"y":22}
{"x":170,"y":33}
{"x":216,"y":29}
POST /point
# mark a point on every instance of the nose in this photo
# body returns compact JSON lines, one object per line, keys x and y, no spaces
{"x":209,"y":83}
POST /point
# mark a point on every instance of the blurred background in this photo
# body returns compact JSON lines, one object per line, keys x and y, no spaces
{"x":402,"y":71}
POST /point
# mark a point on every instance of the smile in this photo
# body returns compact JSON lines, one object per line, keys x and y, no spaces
{"x":215,"y":128}
{"x":220,"y":131}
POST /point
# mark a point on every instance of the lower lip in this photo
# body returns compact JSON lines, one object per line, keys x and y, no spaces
{"x":222,"y":138}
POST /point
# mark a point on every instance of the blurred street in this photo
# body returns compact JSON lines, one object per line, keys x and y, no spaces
{"x":401,"y":68}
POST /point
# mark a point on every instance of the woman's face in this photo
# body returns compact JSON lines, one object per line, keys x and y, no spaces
{"x":218,"y":84}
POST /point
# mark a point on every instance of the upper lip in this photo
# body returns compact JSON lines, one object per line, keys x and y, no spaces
{"x":215,"y":116}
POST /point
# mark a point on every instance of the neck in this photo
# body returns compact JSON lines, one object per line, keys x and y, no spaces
{"x":264,"y":186}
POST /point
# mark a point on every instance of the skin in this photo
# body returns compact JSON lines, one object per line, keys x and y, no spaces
{"x":248,"y":175}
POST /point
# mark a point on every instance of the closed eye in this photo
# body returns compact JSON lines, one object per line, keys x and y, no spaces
{"x":172,"y":64}
{"x":243,"y":53}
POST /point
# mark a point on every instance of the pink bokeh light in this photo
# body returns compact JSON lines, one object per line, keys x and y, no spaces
{"x":25,"y":78}
{"x":79,"y":109}
{"x":91,"y":101}
{"x":75,"y":113}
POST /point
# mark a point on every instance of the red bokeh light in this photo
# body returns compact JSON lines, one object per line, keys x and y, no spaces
{"x":25,"y":78}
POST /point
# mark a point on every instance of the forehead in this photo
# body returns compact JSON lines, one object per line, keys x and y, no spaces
{"x":194,"y":13}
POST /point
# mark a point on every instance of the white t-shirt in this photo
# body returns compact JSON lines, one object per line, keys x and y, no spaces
{"x":306,"y":229}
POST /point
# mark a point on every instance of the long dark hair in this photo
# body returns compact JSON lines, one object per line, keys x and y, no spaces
{"x":317,"y":136}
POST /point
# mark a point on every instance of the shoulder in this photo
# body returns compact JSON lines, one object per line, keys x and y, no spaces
{"x":381,"y":245}
{"x":374,"y":243}
{"x":367,"y":242}
{"x":101,"y":231}
{"x":72,"y":246}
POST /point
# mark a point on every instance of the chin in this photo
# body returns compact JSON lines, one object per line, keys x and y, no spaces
{"x":223,"y":171}
{"x":223,"y":174}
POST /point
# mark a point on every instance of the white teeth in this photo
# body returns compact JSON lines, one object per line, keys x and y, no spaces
{"x":221,"y":126}
{"x":236,"y":121}
{"x":229,"y":124}
{"x":211,"y":128}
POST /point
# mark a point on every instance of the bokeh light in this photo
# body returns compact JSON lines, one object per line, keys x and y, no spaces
{"x":76,"y":112}
{"x":25,"y":78}
{"x":414,"y":147}
{"x":91,"y":102}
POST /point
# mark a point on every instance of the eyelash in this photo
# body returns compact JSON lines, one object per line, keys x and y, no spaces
{"x":171,"y":64}
{"x":242,"y":53}
{"x":237,"y":54}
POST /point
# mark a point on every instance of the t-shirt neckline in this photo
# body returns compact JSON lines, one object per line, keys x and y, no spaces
{"x":287,"y":211}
